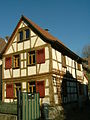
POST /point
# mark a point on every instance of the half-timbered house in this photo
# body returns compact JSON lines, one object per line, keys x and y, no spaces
{"x":36,"y":61}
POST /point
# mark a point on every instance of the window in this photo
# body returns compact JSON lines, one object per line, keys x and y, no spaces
{"x":64,"y":88}
{"x":63,"y":61}
{"x":24,"y":34}
{"x":9,"y":91}
{"x":32,"y":87}
{"x":8,"y":63}
{"x":40,"y":56}
{"x":17,"y":88}
{"x":16,"y":61}
{"x":80,"y":88}
{"x":21,"y":35}
{"x":69,"y":91}
{"x":31,"y":58}
{"x":27,"y":33}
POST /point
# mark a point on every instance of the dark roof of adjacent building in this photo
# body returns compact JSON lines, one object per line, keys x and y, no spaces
{"x":2,"y":45}
{"x":47,"y":37}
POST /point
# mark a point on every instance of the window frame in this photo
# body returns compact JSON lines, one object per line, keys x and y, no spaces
{"x":31,"y":87}
{"x":23,"y":30}
{"x":21,"y":37}
{"x":26,"y":33}
{"x":15,"y":89}
{"x":31,"y":54}
{"x":14,"y":60}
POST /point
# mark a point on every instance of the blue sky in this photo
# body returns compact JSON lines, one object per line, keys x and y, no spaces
{"x":68,"y":20}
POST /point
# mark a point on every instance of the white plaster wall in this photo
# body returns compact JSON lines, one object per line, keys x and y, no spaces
{"x":23,"y":85}
{"x":35,"y":42}
{"x":53,"y":54}
{"x":14,"y":47}
{"x":7,"y":73}
{"x":55,"y":89}
{"x":23,"y":72}
{"x":23,"y":24}
{"x":79,"y":73}
{"x":16,"y":73}
{"x":21,"y":56}
{"x":46,"y":53}
{"x":55,"y":65}
{"x":20,"y":46}
{"x":25,"y":55}
{"x":46,"y":91}
{"x":43,"y":67}
{"x":24,"y":63}
{"x":39,"y":42}
{"x":15,"y":39}
{"x":10,"y":50}
{"x":73,"y":73}
{"x":27,"y":44}
{"x":46,"y":83}
{"x":69,"y":70}
{"x":32,"y":33}
{"x":32,"y":70}
{"x":85,"y":81}
{"x":8,"y":100}
{"x":0,"y":62}
{"x":46,"y":100}
{"x":56,"y":99}
{"x":67,"y":61}
{"x":73,"y":65}
{"x":58,"y":56}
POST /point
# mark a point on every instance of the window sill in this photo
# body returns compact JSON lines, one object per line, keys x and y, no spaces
{"x":23,"y":40}
{"x":16,"y":67}
{"x":31,"y":65}
{"x":8,"y":68}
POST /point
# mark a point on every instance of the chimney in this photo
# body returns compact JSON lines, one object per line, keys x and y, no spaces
{"x":46,"y":29}
{"x":7,"y":38}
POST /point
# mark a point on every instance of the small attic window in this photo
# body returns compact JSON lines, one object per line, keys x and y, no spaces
{"x":21,"y":35}
{"x":24,"y":34}
{"x":27,"y":33}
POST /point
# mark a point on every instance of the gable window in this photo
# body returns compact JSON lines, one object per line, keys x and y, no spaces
{"x":27,"y":33}
{"x":17,"y":88}
{"x":16,"y":61}
{"x":8,"y":63}
{"x":40,"y":56}
{"x":24,"y":33}
{"x":63,"y":60}
{"x":21,"y":35}
{"x":31,"y":58}
{"x":32,"y":87}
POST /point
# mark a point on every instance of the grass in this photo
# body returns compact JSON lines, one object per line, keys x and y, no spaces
{"x":8,"y":108}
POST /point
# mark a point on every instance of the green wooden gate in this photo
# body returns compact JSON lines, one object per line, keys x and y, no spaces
{"x":30,"y":107}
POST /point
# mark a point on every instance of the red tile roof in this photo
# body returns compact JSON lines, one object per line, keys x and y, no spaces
{"x":47,"y":37}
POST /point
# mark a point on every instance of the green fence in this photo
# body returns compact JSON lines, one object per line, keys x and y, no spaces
{"x":30,"y":107}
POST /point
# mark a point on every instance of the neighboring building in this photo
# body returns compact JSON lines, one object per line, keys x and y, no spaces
{"x":2,"y":45}
{"x":35,"y":61}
